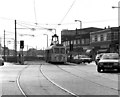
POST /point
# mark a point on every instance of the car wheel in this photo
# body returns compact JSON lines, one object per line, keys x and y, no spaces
{"x":2,"y":64}
{"x":98,"y":69}
{"x":118,"y":69}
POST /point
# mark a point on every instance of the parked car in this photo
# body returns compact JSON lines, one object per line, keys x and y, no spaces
{"x":1,"y":61}
{"x":85,"y":58}
{"x":109,"y":61}
{"x":76,"y":59}
{"x":97,"y":58}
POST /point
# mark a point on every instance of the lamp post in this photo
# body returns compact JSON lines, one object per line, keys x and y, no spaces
{"x":118,"y":25}
{"x":80,"y":23}
{"x":47,"y":38}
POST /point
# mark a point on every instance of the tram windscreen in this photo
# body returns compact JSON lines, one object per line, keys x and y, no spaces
{"x":59,"y":50}
{"x":62,"y":50}
{"x":56,"y":50}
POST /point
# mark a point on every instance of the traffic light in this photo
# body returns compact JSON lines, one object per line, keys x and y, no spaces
{"x":21,"y":44}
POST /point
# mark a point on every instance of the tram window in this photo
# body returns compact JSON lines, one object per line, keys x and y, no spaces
{"x":62,"y":50}
{"x":56,"y":50}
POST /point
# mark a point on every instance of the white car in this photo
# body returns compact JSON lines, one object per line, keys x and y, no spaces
{"x":1,"y":61}
{"x":109,"y":61}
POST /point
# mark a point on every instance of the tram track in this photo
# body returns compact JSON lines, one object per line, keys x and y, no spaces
{"x":67,"y":90}
{"x":86,"y":73}
{"x":100,"y":74}
{"x":57,"y":85}
{"x":23,"y":91}
{"x":18,"y":82}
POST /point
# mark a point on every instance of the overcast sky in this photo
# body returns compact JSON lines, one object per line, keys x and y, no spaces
{"x":50,"y":13}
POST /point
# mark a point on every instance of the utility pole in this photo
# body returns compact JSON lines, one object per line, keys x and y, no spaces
{"x":15,"y":42}
{"x":4,"y":44}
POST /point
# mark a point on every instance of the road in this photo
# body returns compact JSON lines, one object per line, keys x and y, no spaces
{"x":40,"y":78}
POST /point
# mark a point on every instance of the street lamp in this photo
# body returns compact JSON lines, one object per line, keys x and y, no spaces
{"x":118,"y":28}
{"x":47,"y":38}
{"x":80,"y":23}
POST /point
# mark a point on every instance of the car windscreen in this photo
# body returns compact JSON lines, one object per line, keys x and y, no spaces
{"x":84,"y":56}
{"x":59,"y":50}
{"x":56,"y":50}
{"x":110,"y":56}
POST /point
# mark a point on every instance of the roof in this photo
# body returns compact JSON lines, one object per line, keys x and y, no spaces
{"x":80,"y":31}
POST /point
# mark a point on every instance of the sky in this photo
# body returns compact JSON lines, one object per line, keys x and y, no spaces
{"x":39,"y":14}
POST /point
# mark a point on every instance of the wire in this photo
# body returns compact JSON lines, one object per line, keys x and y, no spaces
{"x":35,"y":13}
{"x":67,"y":12}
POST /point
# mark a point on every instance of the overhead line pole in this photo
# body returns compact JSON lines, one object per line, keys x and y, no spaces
{"x":15,"y":42}
{"x":4,"y":45}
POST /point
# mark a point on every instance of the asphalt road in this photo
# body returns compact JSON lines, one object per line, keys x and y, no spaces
{"x":40,"y":78}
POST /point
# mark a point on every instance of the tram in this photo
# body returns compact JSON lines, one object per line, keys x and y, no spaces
{"x":56,"y":54}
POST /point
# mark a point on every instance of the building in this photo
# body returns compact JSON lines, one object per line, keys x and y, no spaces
{"x":77,"y":41}
{"x":106,"y":40}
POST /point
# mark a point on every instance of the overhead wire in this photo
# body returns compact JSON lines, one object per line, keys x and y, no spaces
{"x":67,"y":12}
{"x":35,"y":13}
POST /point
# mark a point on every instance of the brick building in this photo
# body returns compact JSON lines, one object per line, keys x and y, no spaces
{"x":91,"y":40}
{"x":106,"y":40}
{"x":78,"y":38}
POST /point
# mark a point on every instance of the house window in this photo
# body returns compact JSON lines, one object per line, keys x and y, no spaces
{"x":101,"y":37}
{"x":68,"y":43}
{"x":78,"y":41}
{"x":74,"y":41}
{"x":82,"y":41}
{"x":105,"y":37}
{"x":92,"y":38}
{"x":96,"y":38}
{"x":87,"y":41}
{"x":116,"y":35}
{"x":108,"y":36}
{"x":71,"y":41}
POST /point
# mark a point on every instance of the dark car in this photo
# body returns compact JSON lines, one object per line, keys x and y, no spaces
{"x":85,"y":58}
{"x":109,"y":61}
{"x":1,"y":61}
{"x":76,"y":59}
